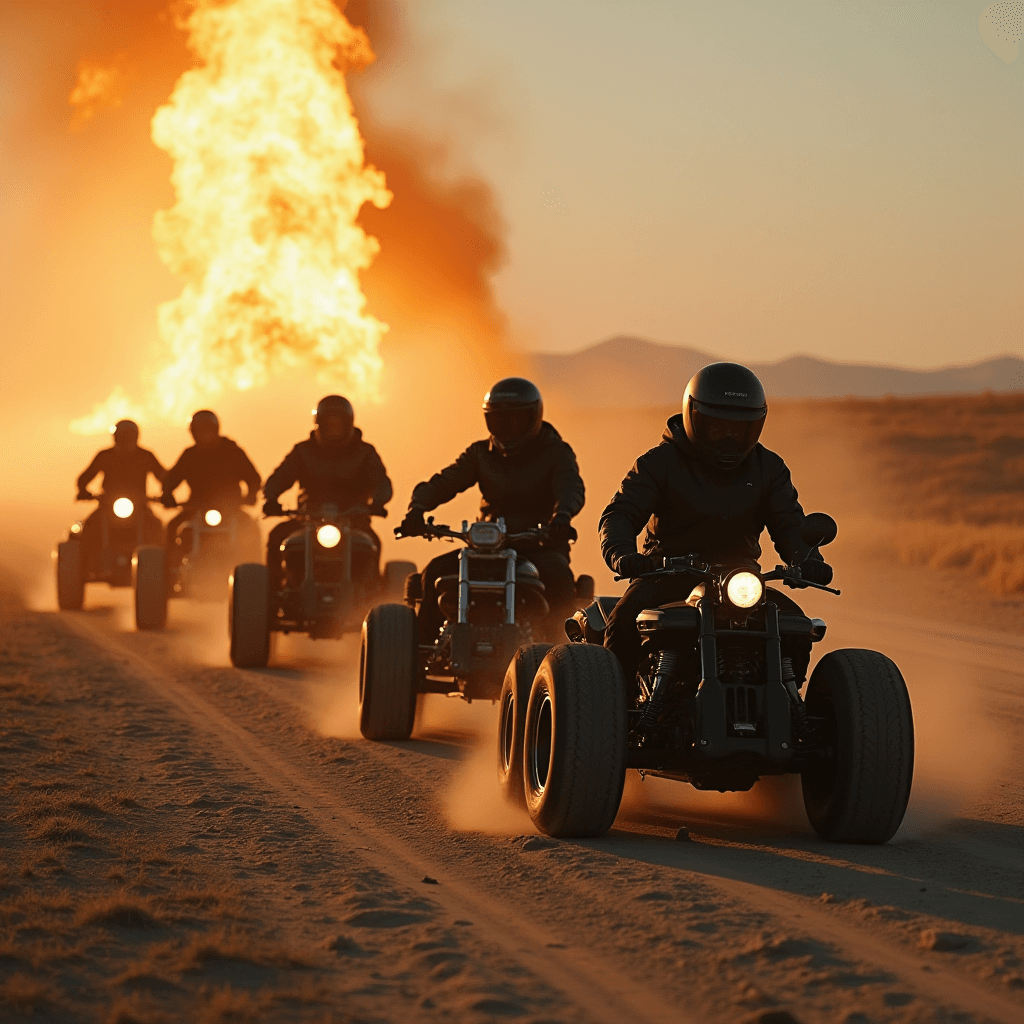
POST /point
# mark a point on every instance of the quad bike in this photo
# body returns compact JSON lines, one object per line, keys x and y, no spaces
{"x":210,"y":543}
{"x":490,"y":609}
{"x":128,"y":553}
{"x":715,"y":703}
{"x":314,"y":588}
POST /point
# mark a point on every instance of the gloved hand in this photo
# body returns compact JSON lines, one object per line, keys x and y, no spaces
{"x":633,"y":565}
{"x":560,"y":531}
{"x":377,"y":510}
{"x":167,"y":500}
{"x":83,"y":495}
{"x":815,"y":571}
{"x":272,"y":507}
{"x":412,"y":525}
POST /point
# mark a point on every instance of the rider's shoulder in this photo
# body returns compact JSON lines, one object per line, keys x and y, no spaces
{"x":769,"y":461}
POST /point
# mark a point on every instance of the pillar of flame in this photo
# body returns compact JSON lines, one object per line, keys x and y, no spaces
{"x":269,"y":177}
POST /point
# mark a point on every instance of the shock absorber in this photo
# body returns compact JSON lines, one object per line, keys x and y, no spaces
{"x":789,"y":682}
{"x":664,"y":674}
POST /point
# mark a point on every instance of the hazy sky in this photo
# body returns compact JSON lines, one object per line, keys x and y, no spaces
{"x":754,"y":178}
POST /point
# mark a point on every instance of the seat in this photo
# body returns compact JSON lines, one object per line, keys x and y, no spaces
{"x":599,"y":611}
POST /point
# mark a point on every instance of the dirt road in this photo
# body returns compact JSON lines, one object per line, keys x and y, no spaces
{"x":183,"y":840}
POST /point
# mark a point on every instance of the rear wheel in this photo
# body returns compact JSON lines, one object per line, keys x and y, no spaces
{"x":149,"y":577}
{"x":388,"y":673}
{"x":249,"y":616}
{"x":515,"y":694}
{"x":858,"y":792}
{"x":395,"y":575}
{"x":574,"y":742}
{"x":70,"y":571}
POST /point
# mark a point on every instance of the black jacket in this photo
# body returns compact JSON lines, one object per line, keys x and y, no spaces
{"x":688,"y":507}
{"x":527,"y":487}
{"x":125,"y":471}
{"x":213,"y":474}
{"x":349,"y":475}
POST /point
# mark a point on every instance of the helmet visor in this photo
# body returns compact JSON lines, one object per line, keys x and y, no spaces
{"x":727,"y":441}
{"x":511,"y":425}
{"x":334,"y":427}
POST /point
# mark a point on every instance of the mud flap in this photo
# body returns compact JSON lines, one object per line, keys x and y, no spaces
{"x":462,"y":653}
{"x":777,"y":725}
{"x":511,"y":639}
{"x":710,"y":695}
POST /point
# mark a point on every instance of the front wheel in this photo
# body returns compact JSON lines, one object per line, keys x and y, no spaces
{"x":249,"y":616}
{"x":574,"y":742}
{"x":388,"y":673}
{"x":858,"y":792}
{"x":515,"y":693}
{"x":149,"y":576}
{"x":70,"y":571}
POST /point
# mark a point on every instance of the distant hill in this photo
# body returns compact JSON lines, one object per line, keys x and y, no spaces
{"x":626,"y":371}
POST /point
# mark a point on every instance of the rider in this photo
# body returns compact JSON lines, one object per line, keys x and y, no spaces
{"x":334,"y":465}
{"x":528,"y":475}
{"x":126,"y":468}
{"x":213,"y":468}
{"x":709,"y":488}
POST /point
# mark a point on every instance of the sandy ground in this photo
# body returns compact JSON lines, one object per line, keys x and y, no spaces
{"x":185,"y":841}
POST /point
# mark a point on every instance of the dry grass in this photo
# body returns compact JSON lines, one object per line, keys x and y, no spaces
{"x":993,"y":554}
{"x":121,"y":911}
{"x":952,"y":459}
{"x":945,"y":473}
{"x":235,"y":946}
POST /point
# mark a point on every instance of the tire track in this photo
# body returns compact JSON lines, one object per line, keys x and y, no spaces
{"x":530,"y":944}
{"x":585,"y":976}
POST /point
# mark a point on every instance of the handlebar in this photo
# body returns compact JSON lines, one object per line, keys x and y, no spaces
{"x":437,"y":531}
{"x":109,"y":499}
{"x":789,"y":575}
{"x":303,"y":515}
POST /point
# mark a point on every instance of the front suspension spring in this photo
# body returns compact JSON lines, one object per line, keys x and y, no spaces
{"x":664,"y":674}
{"x":803,"y":727}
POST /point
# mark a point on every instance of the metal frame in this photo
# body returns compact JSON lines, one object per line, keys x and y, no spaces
{"x":510,"y":556}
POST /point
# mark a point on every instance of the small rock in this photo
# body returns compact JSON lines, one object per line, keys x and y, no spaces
{"x":344,"y":946}
{"x":537,"y":843}
{"x":922,"y":889}
{"x":683,"y":835}
{"x":943,"y":942}
{"x":772,"y":1017}
{"x":427,"y":880}
{"x":826,"y":897}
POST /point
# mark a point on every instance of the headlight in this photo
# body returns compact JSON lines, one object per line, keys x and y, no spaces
{"x":485,"y":535}
{"x":328,"y":535}
{"x":744,"y":589}
{"x":213,"y":518}
{"x":124,"y":507}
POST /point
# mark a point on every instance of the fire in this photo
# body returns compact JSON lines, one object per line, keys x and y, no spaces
{"x":269,"y":176}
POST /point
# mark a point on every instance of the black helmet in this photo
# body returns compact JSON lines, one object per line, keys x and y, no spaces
{"x":724,"y":410}
{"x":204,"y":426}
{"x":334,"y":418}
{"x":514,"y":412}
{"x":125,"y":432}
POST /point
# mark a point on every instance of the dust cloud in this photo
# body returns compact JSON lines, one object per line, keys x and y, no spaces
{"x":82,"y":283}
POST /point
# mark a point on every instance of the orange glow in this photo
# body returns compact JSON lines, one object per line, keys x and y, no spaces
{"x":269,"y":176}
{"x":98,"y":85}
